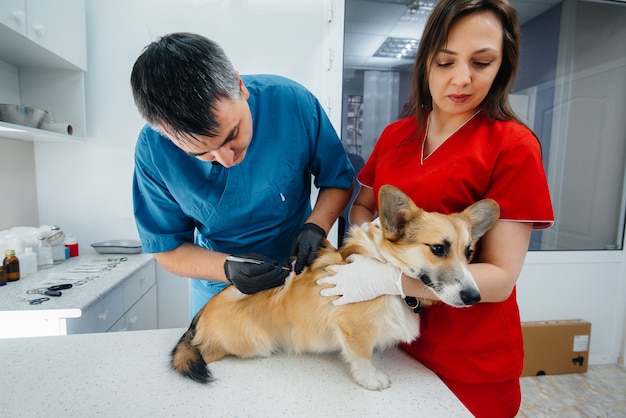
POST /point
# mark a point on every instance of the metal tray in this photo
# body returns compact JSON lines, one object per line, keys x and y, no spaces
{"x":124,"y":246}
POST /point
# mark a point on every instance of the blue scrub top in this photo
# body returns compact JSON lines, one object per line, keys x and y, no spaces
{"x":256,"y":206}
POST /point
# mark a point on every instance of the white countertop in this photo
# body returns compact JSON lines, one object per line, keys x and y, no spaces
{"x":127,"y":374}
{"x":13,"y":296}
{"x":18,"y":318}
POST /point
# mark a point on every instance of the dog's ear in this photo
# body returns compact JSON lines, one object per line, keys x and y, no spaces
{"x":482,"y":215}
{"x":396,"y":209}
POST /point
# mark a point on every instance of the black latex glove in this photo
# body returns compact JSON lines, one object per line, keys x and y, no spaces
{"x":305,"y":248}
{"x":251,"y":273}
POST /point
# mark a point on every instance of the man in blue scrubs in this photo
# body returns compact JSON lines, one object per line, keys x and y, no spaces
{"x":223,"y":169}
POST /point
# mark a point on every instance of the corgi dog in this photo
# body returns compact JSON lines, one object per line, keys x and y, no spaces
{"x":295,"y":318}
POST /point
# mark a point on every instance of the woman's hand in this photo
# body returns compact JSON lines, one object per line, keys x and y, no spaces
{"x":363,"y":278}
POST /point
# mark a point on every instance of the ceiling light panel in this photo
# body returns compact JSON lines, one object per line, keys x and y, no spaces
{"x":418,"y":11}
{"x":398,"y":48}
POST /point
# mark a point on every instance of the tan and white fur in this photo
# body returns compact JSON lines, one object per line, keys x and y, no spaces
{"x":295,"y":318}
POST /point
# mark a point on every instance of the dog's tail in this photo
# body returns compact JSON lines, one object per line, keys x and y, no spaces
{"x":187,"y":359}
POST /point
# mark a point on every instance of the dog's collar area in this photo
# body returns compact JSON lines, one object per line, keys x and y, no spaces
{"x":413,"y":303}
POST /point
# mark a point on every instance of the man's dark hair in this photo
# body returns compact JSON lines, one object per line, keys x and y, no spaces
{"x":178,"y":79}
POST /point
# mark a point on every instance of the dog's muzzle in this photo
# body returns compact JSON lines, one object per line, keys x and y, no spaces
{"x":470,"y":296}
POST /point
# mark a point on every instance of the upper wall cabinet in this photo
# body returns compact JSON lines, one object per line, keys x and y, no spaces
{"x":43,"y":59}
{"x":43,"y":33}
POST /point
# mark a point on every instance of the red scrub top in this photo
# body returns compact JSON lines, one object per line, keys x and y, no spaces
{"x":500,"y":160}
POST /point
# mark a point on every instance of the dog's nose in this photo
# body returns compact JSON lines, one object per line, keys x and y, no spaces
{"x":470,"y":296}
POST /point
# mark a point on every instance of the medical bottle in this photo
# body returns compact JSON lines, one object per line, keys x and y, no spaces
{"x":44,"y":253}
{"x":57,"y":242}
{"x":28,"y":262}
{"x":11,"y":266}
{"x":72,"y":243}
{"x":3,"y":276}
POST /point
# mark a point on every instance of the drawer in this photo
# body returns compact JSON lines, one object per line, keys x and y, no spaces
{"x":100,"y":316}
{"x":119,"y":325}
{"x":138,"y":284}
{"x":141,"y":316}
{"x":144,"y":314}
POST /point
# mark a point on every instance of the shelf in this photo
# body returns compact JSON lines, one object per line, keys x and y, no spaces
{"x":24,"y":133}
{"x":43,"y":59}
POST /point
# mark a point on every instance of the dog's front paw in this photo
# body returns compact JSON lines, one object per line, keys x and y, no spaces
{"x":372,"y":379}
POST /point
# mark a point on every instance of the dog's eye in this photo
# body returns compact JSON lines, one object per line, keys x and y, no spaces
{"x":468,"y":253}
{"x":438,"y":249}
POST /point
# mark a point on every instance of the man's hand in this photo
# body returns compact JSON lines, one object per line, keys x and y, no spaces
{"x":307,"y":244}
{"x":251,"y":273}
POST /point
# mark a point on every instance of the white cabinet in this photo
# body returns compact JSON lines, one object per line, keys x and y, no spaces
{"x":143,"y":314}
{"x":43,"y":58}
{"x":130,"y":306}
{"x":59,"y":27}
{"x":13,"y":15}
{"x":101,"y":316}
{"x":44,"y":33}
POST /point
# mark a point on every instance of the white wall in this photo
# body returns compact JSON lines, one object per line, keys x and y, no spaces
{"x":86,"y":188}
{"x":18,"y":203}
{"x":585,"y":285}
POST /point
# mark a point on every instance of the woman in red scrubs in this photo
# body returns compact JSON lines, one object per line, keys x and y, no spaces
{"x":462,"y":143}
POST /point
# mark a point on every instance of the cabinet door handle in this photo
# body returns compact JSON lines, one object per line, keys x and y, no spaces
{"x":133,"y":320}
{"x":19,"y":16}
{"x":103,"y":315}
{"x":40,"y":29}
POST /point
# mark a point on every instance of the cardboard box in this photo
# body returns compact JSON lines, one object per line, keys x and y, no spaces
{"x":555,"y":347}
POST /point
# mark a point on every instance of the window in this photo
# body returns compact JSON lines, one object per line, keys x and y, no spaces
{"x":570,"y":89}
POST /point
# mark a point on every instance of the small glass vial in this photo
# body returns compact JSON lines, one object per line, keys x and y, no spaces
{"x":44,"y":253}
{"x":11,"y":266}
{"x":3,"y":276}
{"x":56,"y":239}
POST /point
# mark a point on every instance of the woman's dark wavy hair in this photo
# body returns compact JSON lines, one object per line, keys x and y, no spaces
{"x":444,"y":15}
{"x":177,"y":81}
